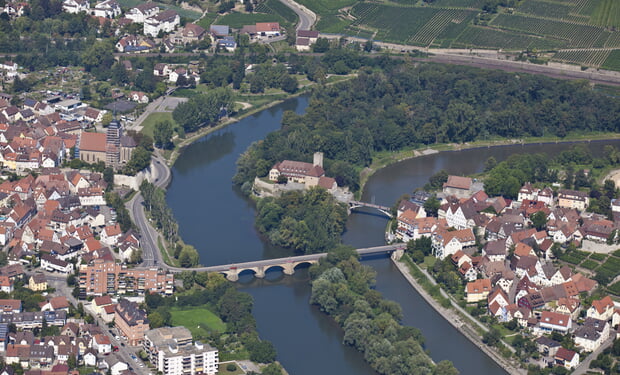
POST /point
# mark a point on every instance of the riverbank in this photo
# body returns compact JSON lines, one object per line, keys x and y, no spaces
{"x":385,"y":159}
{"x":456,"y":321}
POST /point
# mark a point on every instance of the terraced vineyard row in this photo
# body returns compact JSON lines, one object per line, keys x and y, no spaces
{"x":394,"y":24}
{"x":437,"y":24}
{"x":594,"y":58}
{"x":475,"y":36}
{"x":578,"y":35}
{"x":472,"y":4}
{"x":545,"y":9}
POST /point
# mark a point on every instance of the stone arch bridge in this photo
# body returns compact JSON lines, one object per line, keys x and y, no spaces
{"x":287,"y":265}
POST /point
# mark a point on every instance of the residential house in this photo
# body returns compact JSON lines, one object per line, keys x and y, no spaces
{"x":578,"y":200}
{"x":165,"y":21}
{"x":142,"y":12}
{"x":76,"y":6}
{"x":547,"y":346}
{"x":51,"y":263}
{"x":566,"y":358}
{"x":552,"y":321}
{"x":268,"y":29}
{"x":101,"y":343}
{"x":478,"y":290}
{"x":446,"y":243}
{"x":107,"y":9}
{"x":601,"y":309}
{"x":591,"y":335}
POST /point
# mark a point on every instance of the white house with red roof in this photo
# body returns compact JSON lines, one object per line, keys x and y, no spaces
{"x":601,"y":309}
{"x":101,"y":343}
{"x":446,"y":243}
{"x":552,"y":321}
{"x":566,"y":358}
{"x":268,"y":28}
{"x":110,"y":234}
{"x":141,"y":12}
{"x":458,"y":186}
{"x":6,"y":284}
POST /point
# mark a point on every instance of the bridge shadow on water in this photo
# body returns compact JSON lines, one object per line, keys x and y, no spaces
{"x":357,"y":211}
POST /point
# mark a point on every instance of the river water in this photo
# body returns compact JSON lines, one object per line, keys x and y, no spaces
{"x":218,"y":220}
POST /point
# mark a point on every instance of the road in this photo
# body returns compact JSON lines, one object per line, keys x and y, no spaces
{"x":148,"y":240}
{"x":584,"y":365}
{"x":307,"y":18}
{"x":59,"y":282}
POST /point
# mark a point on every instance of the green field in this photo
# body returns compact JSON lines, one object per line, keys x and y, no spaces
{"x":155,"y":117}
{"x":238,"y":20}
{"x":199,"y":321}
{"x":277,"y":7}
{"x":589,"y":264}
{"x":207,"y":20}
{"x":594,"y":58}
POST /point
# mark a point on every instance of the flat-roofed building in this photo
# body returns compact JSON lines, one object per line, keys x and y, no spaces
{"x":171,"y":351}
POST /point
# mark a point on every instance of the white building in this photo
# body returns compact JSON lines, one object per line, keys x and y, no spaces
{"x":140,"y":13}
{"x":107,"y":9}
{"x":171,"y":351}
{"x":76,"y":6}
{"x":165,"y":21}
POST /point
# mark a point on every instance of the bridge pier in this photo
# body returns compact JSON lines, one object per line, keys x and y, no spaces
{"x":397,"y":254}
{"x":259,"y":273}
{"x":232,"y":276}
{"x":288,"y":268}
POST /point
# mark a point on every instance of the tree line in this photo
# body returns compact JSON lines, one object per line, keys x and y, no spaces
{"x":203,"y":109}
{"x":342,"y":288}
{"x":400,"y":105}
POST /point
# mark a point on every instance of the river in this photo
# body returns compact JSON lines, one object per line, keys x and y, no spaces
{"x":218,"y":220}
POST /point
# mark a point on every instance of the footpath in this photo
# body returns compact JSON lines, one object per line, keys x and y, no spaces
{"x":455,"y":319}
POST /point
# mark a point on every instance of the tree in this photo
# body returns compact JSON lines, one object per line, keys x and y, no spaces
{"x":108,"y":177}
{"x":272,"y":369}
{"x":162,"y":134}
{"x":72,"y":361}
{"x":368,"y":46}
{"x":289,"y":83}
{"x":539,"y":220}
{"x":321,"y":45}
{"x":189,"y":257}
{"x":261,"y":351}
{"x":431,"y":206}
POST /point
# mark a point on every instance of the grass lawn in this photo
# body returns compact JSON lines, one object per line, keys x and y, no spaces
{"x":238,"y":20}
{"x":206,"y":21}
{"x":223,"y":370}
{"x":149,"y":123}
{"x":199,"y":321}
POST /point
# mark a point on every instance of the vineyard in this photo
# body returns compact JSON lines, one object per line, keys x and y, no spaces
{"x":593,"y":58}
{"x":469,"y":4}
{"x":613,"y":61}
{"x":607,"y":13}
{"x":393,"y":24}
{"x":489,"y":38}
{"x":437,"y":24}
{"x":578,"y":35}
{"x":276,"y":7}
{"x":545,"y":9}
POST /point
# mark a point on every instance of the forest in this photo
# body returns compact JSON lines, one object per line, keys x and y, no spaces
{"x":403,"y":105}
{"x":342,"y":288}
{"x":310,"y":222}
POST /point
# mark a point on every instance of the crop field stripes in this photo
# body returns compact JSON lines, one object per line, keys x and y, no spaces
{"x":613,"y":41}
{"x":586,"y":57}
{"x":436,"y":25}
{"x":578,"y":35}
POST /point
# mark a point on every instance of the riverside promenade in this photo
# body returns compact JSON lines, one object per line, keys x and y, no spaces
{"x":457,"y":322}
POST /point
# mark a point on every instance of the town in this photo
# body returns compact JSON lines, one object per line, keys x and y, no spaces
{"x":506,"y":252}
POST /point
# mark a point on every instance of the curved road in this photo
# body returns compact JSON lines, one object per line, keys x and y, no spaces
{"x":148,"y":239}
{"x":307,"y":18}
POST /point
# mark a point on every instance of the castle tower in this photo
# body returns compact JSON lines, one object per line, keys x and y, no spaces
{"x":318,"y":159}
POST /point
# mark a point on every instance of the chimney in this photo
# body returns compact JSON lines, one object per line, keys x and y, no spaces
{"x":318,"y":159}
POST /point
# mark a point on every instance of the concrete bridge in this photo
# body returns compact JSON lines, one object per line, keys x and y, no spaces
{"x":287,"y":265}
{"x":387,"y":211}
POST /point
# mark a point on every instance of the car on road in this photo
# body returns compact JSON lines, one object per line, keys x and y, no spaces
{"x":115,"y":348}
{"x":122,"y":343}
{"x":134,"y":357}
{"x":117,"y":338}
